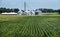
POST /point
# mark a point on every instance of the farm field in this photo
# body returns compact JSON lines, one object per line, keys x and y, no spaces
{"x":29,"y":26}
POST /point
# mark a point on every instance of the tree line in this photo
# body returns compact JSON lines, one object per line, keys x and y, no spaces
{"x":8,"y":10}
{"x":45,"y":10}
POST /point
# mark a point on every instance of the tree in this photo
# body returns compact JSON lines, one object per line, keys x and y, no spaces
{"x":58,"y":11}
{"x":1,"y":10}
{"x":45,"y":10}
{"x":16,"y":10}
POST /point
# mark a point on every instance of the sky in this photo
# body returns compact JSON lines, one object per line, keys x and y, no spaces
{"x":31,"y":4}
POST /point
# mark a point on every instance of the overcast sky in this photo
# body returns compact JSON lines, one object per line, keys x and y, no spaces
{"x":31,"y":4}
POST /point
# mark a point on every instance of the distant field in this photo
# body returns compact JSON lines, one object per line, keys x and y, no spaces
{"x":29,"y":26}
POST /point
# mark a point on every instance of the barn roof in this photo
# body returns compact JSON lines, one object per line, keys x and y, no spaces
{"x":9,"y":13}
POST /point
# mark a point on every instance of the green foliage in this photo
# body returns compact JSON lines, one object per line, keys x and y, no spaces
{"x":59,"y":11}
{"x":46,"y":10}
{"x":29,"y":26}
{"x":8,"y":10}
{"x":16,"y":10}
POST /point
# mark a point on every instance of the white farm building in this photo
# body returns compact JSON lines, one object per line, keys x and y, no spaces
{"x":23,"y":13}
{"x":30,"y":12}
{"x":10,"y":13}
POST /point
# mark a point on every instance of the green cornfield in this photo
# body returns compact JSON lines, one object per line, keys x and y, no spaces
{"x":29,"y":26}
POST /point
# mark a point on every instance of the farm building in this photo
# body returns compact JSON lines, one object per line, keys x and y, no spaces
{"x":30,"y":12}
{"x":38,"y":12}
{"x":27,"y":12}
{"x":10,"y":13}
